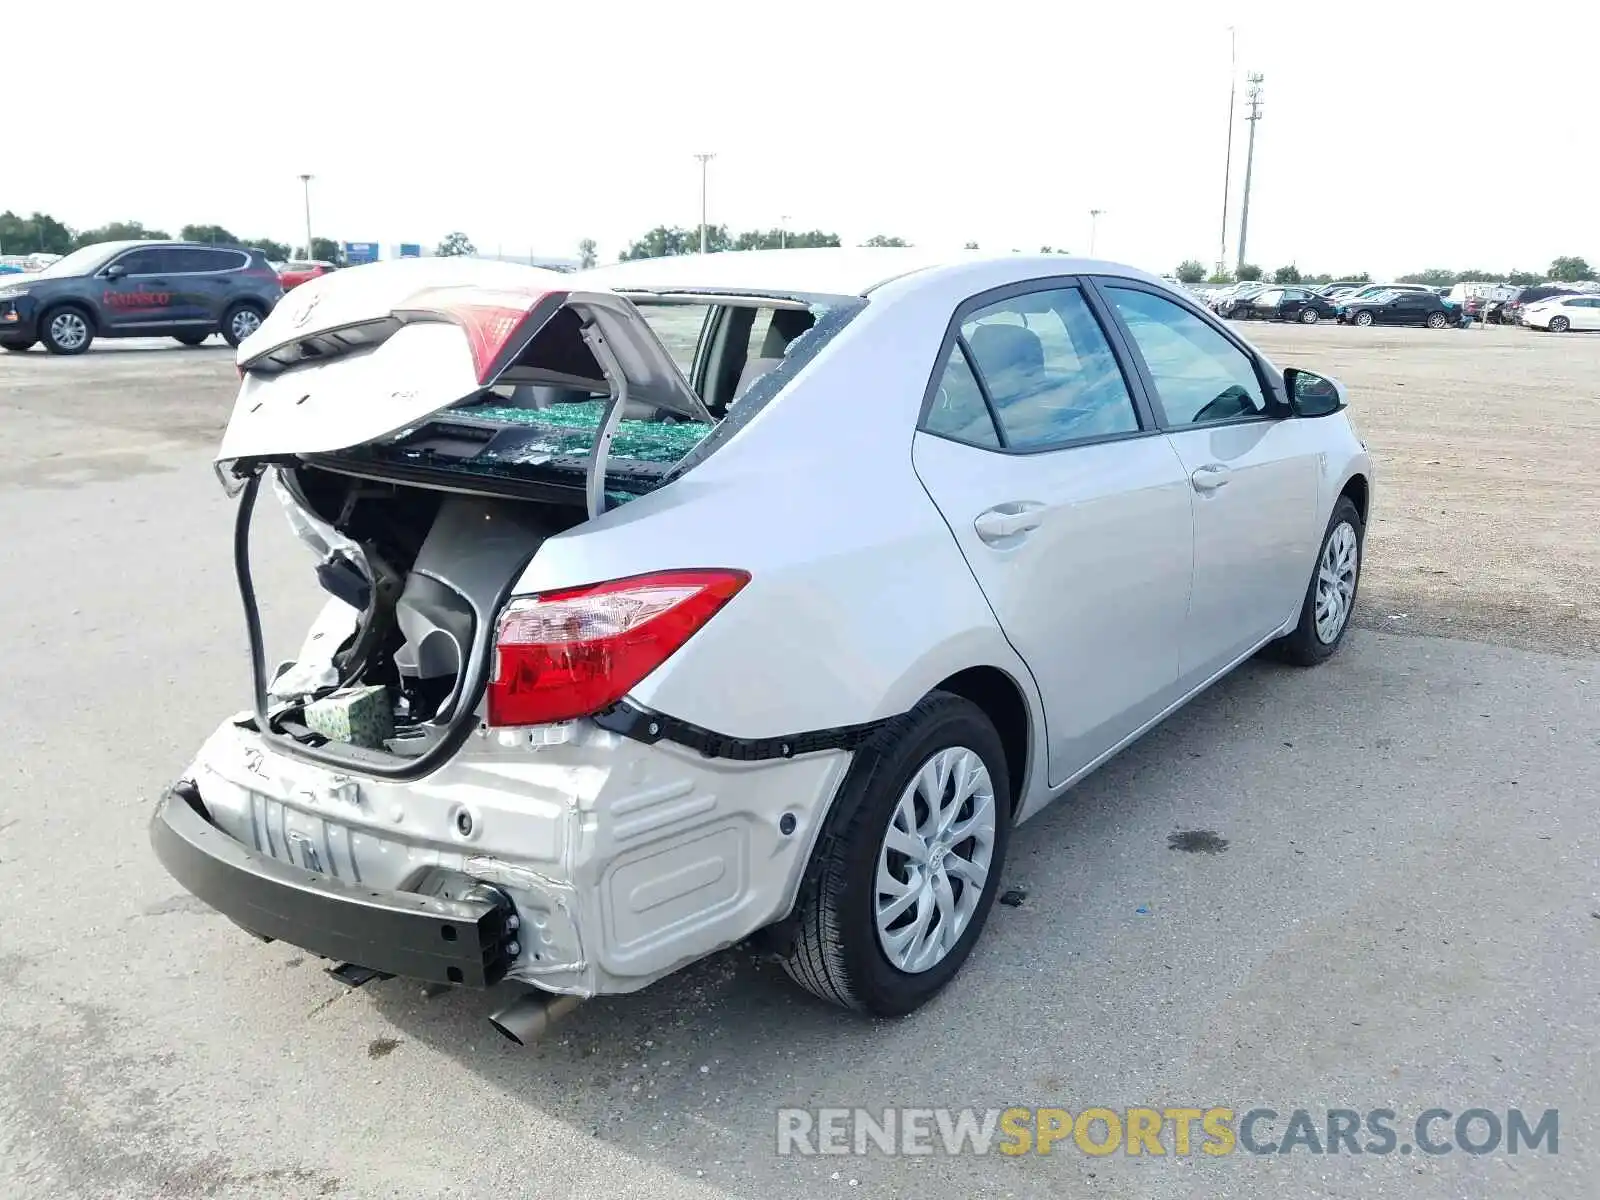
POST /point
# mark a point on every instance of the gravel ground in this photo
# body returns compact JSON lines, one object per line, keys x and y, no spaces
{"x":1488,"y":448}
{"x":1403,"y":915}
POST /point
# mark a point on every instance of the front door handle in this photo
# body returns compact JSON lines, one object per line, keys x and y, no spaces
{"x":1210,"y":477}
{"x":1008,"y":520}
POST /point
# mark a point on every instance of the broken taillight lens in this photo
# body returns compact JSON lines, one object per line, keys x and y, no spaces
{"x":498,"y":322}
{"x":568,"y":654}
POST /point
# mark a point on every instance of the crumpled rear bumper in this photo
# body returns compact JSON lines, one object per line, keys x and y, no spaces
{"x":429,"y":938}
{"x":622,"y":861}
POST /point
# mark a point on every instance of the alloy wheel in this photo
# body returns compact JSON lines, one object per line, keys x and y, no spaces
{"x":1336,"y":582}
{"x":69,"y":330}
{"x":245,"y":322}
{"x":933,"y":864}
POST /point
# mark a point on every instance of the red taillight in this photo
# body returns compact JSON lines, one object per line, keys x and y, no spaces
{"x":568,"y":654}
{"x":491,"y":317}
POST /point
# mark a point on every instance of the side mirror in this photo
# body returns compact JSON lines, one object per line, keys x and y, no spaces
{"x":116,"y":271}
{"x":1313,"y":395}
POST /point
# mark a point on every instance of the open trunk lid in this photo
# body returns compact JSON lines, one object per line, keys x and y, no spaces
{"x":360,"y":355}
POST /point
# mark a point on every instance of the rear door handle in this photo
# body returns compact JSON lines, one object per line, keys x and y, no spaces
{"x":1008,"y":520}
{"x":1210,"y":477}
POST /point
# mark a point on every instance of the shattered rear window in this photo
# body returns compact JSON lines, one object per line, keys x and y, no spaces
{"x":521,"y":432}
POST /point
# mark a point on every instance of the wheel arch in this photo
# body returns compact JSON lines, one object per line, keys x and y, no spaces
{"x":1005,"y":703}
{"x":1358,"y":488}
{"x":84,"y":307}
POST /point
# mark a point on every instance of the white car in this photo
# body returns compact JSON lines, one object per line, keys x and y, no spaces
{"x":1561,"y":313}
{"x":694,"y":598}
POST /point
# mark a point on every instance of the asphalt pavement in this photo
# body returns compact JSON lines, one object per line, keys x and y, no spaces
{"x":1399,"y":908}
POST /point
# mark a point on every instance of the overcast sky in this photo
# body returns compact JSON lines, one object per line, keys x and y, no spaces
{"x":1389,"y":139}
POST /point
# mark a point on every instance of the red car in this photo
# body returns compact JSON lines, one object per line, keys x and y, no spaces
{"x":295,"y":273}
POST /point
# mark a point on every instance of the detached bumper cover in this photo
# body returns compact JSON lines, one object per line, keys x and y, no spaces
{"x":399,"y":933}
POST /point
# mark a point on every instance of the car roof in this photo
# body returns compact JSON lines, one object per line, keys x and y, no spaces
{"x":829,"y":271}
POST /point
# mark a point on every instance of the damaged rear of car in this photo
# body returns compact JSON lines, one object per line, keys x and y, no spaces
{"x":414,"y":793}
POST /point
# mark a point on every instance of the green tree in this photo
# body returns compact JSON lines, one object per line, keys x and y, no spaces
{"x":879,"y":239}
{"x":1570,"y":270}
{"x":586,"y":255}
{"x":38,"y":234}
{"x":1249,"y":272}
{"x":121,"y":231}
{"x":275,"y":251}
{"x":1190,"y":271}
{"x":214,"y":234}
{"x":1289,"y":274}
{"x":456,"y":245}
{"x":1432,"y":277}
{"x":775,"y":239}
{"x":1524,"y":278}
{"x":666,"y":240}
{"x":1219,"y":277}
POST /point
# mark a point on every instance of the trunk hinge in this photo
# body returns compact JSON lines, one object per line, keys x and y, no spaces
{"x":600,"y":452}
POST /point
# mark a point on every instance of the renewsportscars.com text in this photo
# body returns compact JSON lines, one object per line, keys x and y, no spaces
{"x":1177,"y":1131}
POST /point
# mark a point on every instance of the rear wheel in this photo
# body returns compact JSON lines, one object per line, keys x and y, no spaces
{"x":1437,"y":320}
{"x":1331,"y":595}
{"x":16,"y":344}
{"x":193,"y":338}
{"x":905,"y":871}
{"x":1559,"y":324}
{"x":66,"y":330}
{"x":1363,"y":318}
{"x":1309,"y":316}
{"x":239,"y":322}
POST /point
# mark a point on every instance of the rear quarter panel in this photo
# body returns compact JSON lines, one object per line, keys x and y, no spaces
{"x":859,"y":600}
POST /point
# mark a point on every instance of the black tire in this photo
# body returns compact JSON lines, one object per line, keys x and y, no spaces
{"x":1305,"y":647}
{"x":1437,"y":320}
{"x":835,"y":952}
{"x":230,"y":331}
{"x":191,"y":339}
{"x":1309,"y":316}
{"x":58,"y":340}
{"x":17,"y":345}
{"x":1559,"y":324}
{"x":1362,"y":318}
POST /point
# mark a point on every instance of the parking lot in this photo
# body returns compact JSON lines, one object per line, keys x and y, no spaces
{"x":1406,"y":913}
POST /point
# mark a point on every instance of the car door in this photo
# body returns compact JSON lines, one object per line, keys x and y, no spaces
{"x":132,"y":290}
{"x":1070,"y":507}
{"x":1583,"y":312}
{"x":1254,"y":473}
{"x":203,"y":284}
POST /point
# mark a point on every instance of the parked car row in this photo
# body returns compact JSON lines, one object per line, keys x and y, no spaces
{"x":1351,"y":304}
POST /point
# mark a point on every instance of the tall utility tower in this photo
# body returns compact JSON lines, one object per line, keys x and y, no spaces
{"x":1227,"y":165}
{"x":305,"y":183}
{"x":1094,"y":220}
{"x":1254,"y":98}
{"x":704,"y":159}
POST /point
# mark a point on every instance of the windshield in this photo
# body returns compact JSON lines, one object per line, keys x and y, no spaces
{"x":82,"y":261}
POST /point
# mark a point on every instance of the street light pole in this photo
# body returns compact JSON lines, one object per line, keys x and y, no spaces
{"x":305,"y":182}
{"x":783,"y":232}
{"x":704,"y":160}
{"x":1094,"y":220}
{"x":1227,"y":166}
{"x":1254,"y":95}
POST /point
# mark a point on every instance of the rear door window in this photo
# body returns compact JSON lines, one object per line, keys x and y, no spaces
{"x":959,"y":410}
{"x":1049,"y":370}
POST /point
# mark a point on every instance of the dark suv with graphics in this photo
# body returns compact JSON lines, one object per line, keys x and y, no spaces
{"x":184,"y":290}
